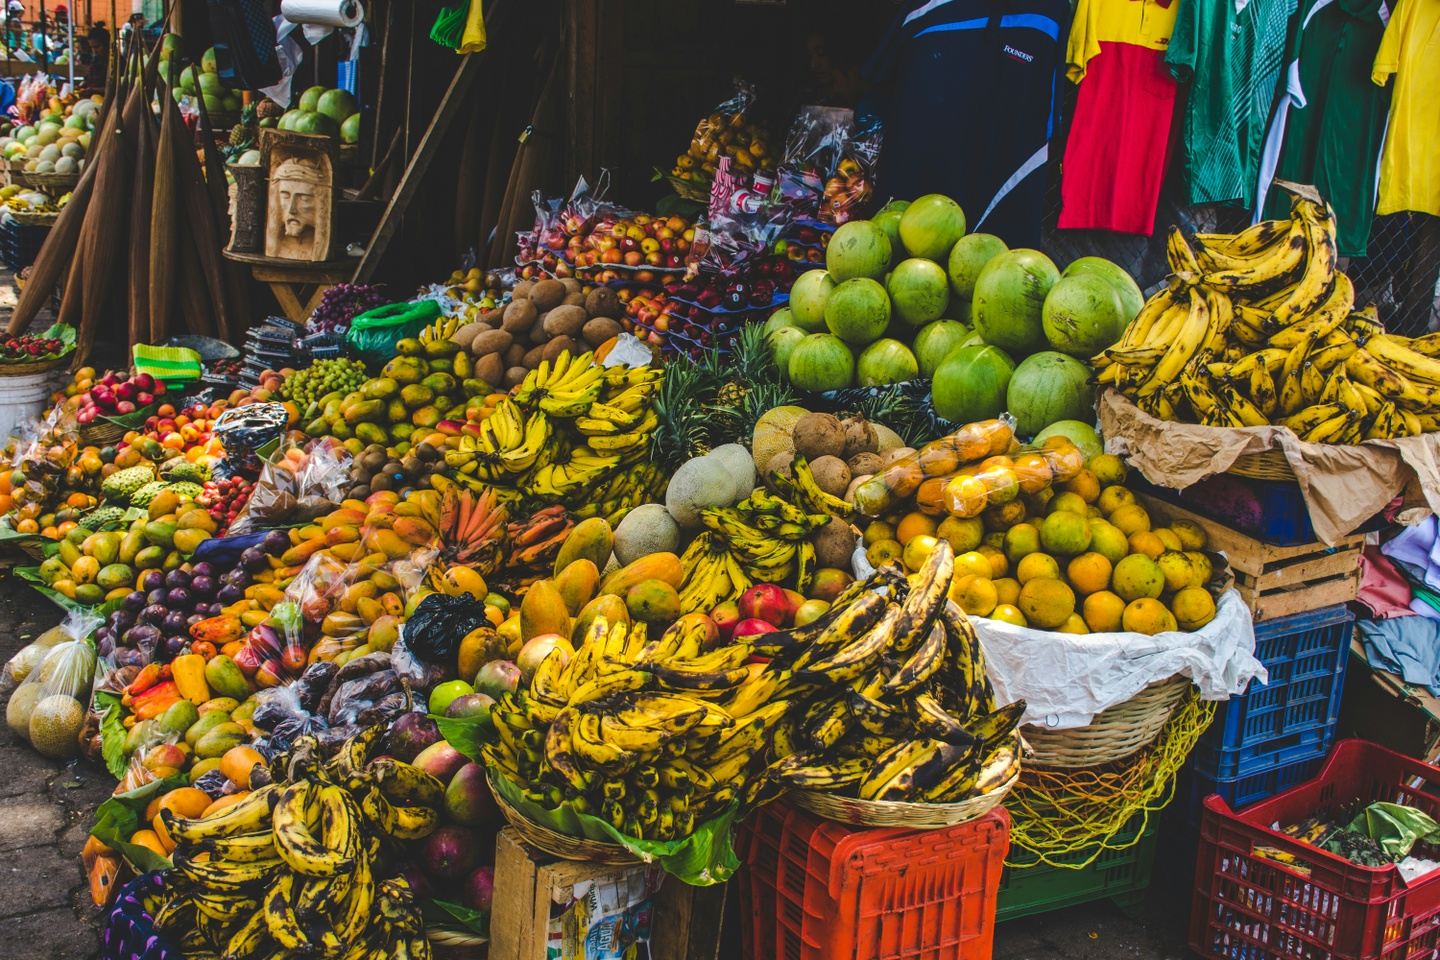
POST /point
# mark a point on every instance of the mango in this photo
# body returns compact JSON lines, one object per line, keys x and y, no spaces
{"x":341,"y":624}
{"x":416,"y":395}
{"x":370,"y":433}
{"x":477,"y":648}
{"x":85,"y":570}
{"x":114,"y":575}
{"x":381,"y":388}
{"x":577,"y":583}
{"x":160,"y":533}
{"x":362,"y":411}
{"x":201,"y":767}
{"x":197,"y":519}
{"x":130,"y":546}
{"x":243,"y":713}
{"x":405,"y":370}
{"x":591,"y":539}
{"x":219,"y":739}
{"x":139,"y":735}
{"x":653,"y":601}
{"x":225,"y":678}
{"x":607,"y":605}
{"x":178,"y":717}
{"x":414,"y":531}
{"x":459,"y":580}
{"x":543,"y":611}
{"x":227,"y":704}
{"x":188,"y":541}
{"x":166,"y":501}
{"x":204,"y":725}
{"x":384,"y":631}
{"x":104,"y":547}
{"x":68,"y":553}
{"x":441,"y":383}
{"x":657,"y":566}
{"x":387,"y":543}
{"x":89,"y":594}
{"x":149,"y":558}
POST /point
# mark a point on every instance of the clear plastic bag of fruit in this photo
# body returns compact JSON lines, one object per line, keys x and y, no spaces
{"x":728,"y":130}
{"x":48,"y":709}
{"x":244,"y":430}
{"x":296,"y":486}
{"x":942,"y":457}
{"x":848,"y":189}
{"x":78,"y":624}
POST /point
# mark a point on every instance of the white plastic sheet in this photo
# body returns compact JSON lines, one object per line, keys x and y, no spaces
{"x":1065,"y":679}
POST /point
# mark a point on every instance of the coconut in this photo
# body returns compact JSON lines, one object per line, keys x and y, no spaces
{"x":602,"y":302}
{"x":834,"y":544}
{"x":647,"y":529}
{"x":739,"y":464}
{"x":862,"y":463}
{"x":779,"y":464}
{"x":831,"y":475}
{"x":819,"y":435}
{"x":547,"y":294}
{"x":697,"y":484}
{"x":860,"y":437}
{"x":774,"y":433}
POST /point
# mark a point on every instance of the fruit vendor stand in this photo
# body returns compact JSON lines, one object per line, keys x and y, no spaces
{"x":753,"y":551}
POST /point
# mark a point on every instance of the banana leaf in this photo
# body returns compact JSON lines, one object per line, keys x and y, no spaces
{"x":120,"y":816}
{"x":449,"y":913}
{"x":705,"y":857}
{"x":465,"y":734}
{"x":112,"y":732}
{"x":8,"y":534}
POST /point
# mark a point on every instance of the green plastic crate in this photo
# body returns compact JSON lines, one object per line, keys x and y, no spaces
{"x":1118,"y":875}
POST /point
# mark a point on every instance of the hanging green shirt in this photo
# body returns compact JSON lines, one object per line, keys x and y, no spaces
{"x":1230,"y":52}
{"x":1331,"y":118}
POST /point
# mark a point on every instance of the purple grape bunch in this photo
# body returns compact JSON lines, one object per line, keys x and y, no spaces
{"x":342,"y":303}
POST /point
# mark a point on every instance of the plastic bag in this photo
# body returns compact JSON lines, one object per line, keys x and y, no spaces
{"x":75,"y":626}
{"x":849,"y":189}
{"x":244,"y":430}
{"x":296,"y":487}
{"x":728,"y":130}
{"x":48,"y":709}
{"x":374,"y":333}
{"x":419,"y":675}
{"x":938,"y":459}
{"x":831,"y":155}
{"x":434,"y":631}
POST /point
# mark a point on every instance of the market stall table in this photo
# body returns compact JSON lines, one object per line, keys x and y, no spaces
{"x":298,"y":285}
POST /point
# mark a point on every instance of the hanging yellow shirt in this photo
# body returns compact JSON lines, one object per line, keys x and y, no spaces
{"x":1145,"y":23}
{"x":1410,"y":164}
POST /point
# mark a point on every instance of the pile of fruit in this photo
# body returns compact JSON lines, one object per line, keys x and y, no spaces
{"x":325,"y":111}
{"x":1043,"y":538}
{"x":305,"y":864}
{"x":342,"y":303}
{"x":1261,"y":328}
{"x":113,"y":395}
{"x":721,"y":134}
{"x":543,"y":319}
{"x":894,"y":299}
{"x":309,"y":386}
{"x":475,"y":286}
{"x":225,"y":499}
{"x":26,"y":349}
{"x":199,"y":80}
{"x":56,"y":142}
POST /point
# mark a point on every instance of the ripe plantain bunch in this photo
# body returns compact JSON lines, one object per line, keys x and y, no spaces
{"x":899,"y":706}
{"x":764,"y":538}
{"x":573,"y":433}
{"x":884,"y":697}
{"x":294,"y":869}
{"x":1260,"y":328}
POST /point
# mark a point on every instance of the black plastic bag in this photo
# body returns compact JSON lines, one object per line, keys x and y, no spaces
{"x":440,"y":622}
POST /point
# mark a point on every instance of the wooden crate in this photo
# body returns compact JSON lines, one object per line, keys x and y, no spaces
{"x":1277,"y":581}
{"x":531,"y":886}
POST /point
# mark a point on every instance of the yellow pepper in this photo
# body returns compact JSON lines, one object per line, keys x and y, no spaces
{"x":188,"y":672}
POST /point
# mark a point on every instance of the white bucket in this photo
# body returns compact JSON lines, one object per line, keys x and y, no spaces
{"x":22,"y":398}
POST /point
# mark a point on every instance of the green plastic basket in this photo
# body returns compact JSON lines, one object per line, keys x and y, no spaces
{"x":1121,"y":875}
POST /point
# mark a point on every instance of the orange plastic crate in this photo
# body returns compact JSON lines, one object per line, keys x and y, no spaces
{"x":818,"y":890}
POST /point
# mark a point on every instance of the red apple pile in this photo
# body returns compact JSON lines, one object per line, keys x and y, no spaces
{"x":114,"y":397}
{"x":26,"y":347}
{"x":765,"y":608}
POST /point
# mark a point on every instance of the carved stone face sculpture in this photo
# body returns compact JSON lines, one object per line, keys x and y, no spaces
{"x":298,"y":222}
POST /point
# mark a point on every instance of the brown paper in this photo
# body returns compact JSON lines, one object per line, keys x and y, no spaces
{"x":1343,"y":486}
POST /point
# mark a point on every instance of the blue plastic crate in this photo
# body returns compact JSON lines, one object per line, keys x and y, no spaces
{"x":1193,"y":787}
{"x":1291,"y":718}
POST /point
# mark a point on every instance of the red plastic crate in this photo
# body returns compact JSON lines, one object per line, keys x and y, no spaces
{"x":819,"y":890}
{"x":1252,"y":908}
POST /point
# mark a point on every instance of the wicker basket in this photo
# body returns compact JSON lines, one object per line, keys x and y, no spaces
{"x":48,"y":182}
{"x":33,"y":367}
{"x":1267,"y":465}
{"x":454,"y":942}
{"x":35,"y":218}
{"x":102,"y":433}
{"x":559,"y":844}
{"x":1114,"y":734}
{"x":890,"y":813}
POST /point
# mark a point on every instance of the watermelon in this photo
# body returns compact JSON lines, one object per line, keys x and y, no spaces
{"x":1083,"y":315}
{"x":860,"y":248}
{"x":782,"y":341}
{"x":808,"y":296}
{"x":919,"y":291}
{"x":782,"y":317}
{"x":1129,"y":291}
{"x":1009,"y":302}
{"x":1046,"y":387}
{"x":821,"y":362}
{"x":936,"y":341}
{"x":858,"y":311}
{"x":968,"y":257}
{"x":930,"y":226}
{"x":885,"y":361}
{"x":888,"y":219}
{"x":970,"y":384}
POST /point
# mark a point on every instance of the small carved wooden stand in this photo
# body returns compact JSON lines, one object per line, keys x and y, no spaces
{"x":297,"y":284}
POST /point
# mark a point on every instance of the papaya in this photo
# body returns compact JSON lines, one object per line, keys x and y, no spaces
{"x":543,"y":611}
{"x":188,"y":541}
{"x":577,"y":583}
{"x":166,"y":501}
{"x":653,"y":601}
{"x":607,"y":605}
{"x":591,"y":539}
{"x":160,"y":533}
{"x":224,"y":677}
{"x":228,"y":704}
{"x":218,"y":630}
{"x":656,"y":566}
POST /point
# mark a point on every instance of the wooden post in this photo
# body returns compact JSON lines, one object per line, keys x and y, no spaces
{"x":594,"y":33}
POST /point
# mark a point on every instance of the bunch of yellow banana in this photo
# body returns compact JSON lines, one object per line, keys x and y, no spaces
{"x":289,"y":871}
{"x":651,"y":736}
{"x":1260,"y":328}
{"x":902,"y":709}
{"x":441,"y":328}
{"x":765,"y":538}
{"x":622,"y":492}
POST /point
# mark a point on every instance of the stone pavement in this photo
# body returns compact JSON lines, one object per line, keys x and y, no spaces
{"x":45,"y":811}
